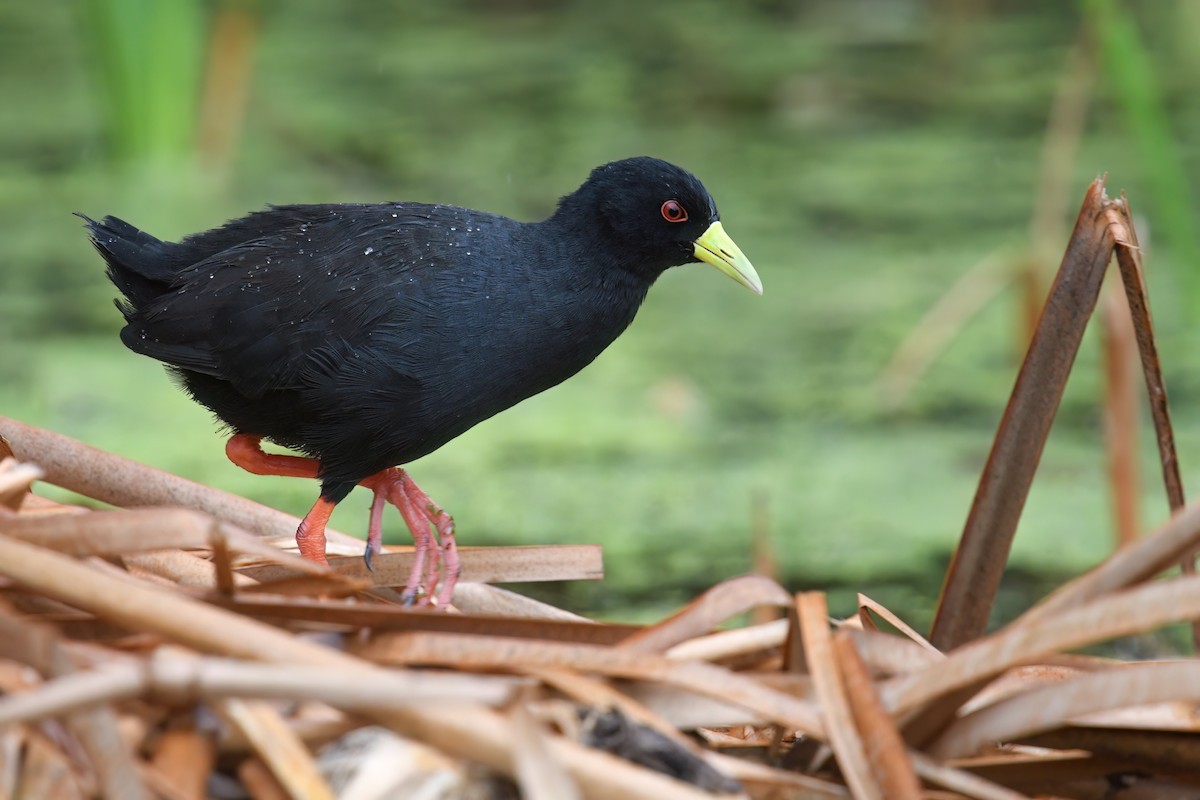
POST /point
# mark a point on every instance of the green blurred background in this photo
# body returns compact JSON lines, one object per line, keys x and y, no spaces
{"x":865,"y":154}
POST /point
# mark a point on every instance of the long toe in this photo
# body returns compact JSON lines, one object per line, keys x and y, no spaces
{"x":375,"y":529}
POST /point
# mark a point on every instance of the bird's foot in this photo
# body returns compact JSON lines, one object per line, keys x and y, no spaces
{"x":422,"y":516}
{"x":392,"y":485}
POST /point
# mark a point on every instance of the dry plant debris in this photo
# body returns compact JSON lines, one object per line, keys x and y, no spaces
{"x":173,"y":647}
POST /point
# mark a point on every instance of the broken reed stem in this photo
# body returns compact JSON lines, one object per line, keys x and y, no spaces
{"x":1102,"y":228}
{"x":974,"y":575}
{"x":1133,"y":277}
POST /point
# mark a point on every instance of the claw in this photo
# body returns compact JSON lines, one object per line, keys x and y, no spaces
{"x":420,"y":514}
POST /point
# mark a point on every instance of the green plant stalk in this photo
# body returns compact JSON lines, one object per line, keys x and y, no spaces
{"x":149,"y":56}
{"x":1136,"y":89}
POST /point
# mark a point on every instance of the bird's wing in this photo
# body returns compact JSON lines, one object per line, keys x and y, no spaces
{"x":303,"y":304}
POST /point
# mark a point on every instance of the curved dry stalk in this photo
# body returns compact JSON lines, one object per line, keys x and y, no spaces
{"x":181,"y":568}
{"x":480,"y":598}
{"x":1049,"y":707}
{"x":710,"y":609}
{"x":734,"y":642}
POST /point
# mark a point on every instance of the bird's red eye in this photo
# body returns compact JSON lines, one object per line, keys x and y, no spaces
{"x":673,"y":212}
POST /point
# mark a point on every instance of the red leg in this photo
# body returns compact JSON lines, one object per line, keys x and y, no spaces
{"x":245,"y":450}
{"x":310,"y":536}
{"x":393,"y":485}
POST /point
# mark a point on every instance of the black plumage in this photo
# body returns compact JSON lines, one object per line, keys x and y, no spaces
{"x":367,"y":336}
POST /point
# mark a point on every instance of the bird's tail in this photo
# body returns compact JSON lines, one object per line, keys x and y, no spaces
{"x":139,"y":265}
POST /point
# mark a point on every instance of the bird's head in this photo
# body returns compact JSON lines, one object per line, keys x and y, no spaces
{"x":649,"y":215}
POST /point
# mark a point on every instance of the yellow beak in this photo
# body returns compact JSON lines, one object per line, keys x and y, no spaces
{"x":716,"y":248}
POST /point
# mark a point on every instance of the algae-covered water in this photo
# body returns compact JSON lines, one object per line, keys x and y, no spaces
{"x":864,"y":155}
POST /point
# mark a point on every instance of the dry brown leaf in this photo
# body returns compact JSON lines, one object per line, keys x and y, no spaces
{"x":1051,"y":706}
{"x":1132,"y":611}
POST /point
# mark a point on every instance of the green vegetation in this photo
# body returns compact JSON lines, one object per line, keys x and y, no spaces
{"x":864,"y":156}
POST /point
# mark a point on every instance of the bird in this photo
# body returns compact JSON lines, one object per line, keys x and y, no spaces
{"x":365,"y":336}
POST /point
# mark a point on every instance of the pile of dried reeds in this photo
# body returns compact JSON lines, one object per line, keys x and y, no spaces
{"x":173,"y":648}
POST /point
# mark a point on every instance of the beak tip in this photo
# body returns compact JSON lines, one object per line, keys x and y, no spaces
{"x":716,"y":248}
